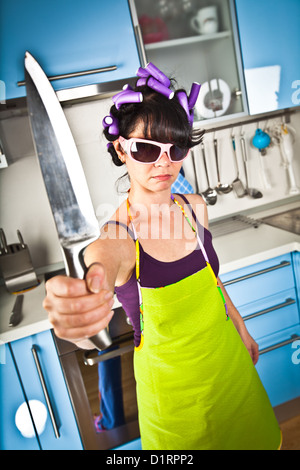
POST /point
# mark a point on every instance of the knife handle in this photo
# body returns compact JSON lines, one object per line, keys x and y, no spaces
{"x":75,"y":267}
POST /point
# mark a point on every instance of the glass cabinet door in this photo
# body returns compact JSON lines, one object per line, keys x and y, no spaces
{"x":192,"y":40}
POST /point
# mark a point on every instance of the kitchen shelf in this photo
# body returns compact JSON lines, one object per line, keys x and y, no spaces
{"x":186,"y":41}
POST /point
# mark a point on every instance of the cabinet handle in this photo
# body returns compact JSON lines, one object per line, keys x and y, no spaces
{"x":280,"y":345}
{"x":270,"y":309}
{"x":283,"y":264}
{"x":91,"y":361}
{"x":46,"y":394}
{"x":110,"y":68}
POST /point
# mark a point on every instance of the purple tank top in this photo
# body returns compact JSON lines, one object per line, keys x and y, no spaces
{"x":155,"y":273}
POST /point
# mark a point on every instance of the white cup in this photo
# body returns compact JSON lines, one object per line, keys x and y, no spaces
{"x":206,"y":21}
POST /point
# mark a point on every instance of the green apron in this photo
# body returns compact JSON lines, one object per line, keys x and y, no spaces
{"x":197,"y":387}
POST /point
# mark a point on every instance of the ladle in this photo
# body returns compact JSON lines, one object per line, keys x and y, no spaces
{"x":252,"y":192}
{"x":237,"y":184}
{"x":220,"y":188}
{"x":209,"y":195}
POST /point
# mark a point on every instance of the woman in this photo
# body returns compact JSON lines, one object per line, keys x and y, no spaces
{"x":197,"y":386}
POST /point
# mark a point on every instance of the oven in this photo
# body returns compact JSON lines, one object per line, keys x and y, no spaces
{"x":104,"y":378}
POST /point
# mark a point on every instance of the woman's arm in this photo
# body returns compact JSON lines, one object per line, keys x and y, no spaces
{"x":239,"y":323}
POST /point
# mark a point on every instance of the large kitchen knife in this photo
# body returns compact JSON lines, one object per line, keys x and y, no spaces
{"x":63,"y":175}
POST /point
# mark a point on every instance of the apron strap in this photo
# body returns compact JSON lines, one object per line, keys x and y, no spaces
{"x":189,"y":222}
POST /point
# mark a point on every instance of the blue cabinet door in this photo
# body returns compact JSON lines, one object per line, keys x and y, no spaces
{"x":11,"y":398}
{"x":296,"y":266}
{"x":65,"y":37}
{"x":267,"y":296}
{"x":260,"y":280}
{"x":279,"y":368}
{"x":60,"y":432}
{"x":270,"y":45}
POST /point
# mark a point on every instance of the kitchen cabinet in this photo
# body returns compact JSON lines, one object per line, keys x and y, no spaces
{"x":208,"y":56}
{"x":270,"y":46}
{"x":11,"y":397}
{"x":32,"y":371}
{"x":67,"y":38}
{"x":267,"y":296}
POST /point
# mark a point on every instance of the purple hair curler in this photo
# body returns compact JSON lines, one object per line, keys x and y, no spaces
{"x":126,"y":97}
{"x":143,"y":73}
{"x":111,"y":123}
{"x":114,"y":128}
{"x":182,"y":98}
{"x":107,"y":121}
{"x":127,"y":87}
{"x":141,"y":81}
{"x":194,"y":93}
{"x":157,"y":86}
{"x":158,"y":74}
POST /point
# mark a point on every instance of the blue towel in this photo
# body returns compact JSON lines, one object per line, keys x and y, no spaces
{"x":182,"y":186}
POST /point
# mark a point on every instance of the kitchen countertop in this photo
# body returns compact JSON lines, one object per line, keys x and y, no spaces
{"x":235,"y":250}
{"x":253,"y":245}
{"x":34,"y":317}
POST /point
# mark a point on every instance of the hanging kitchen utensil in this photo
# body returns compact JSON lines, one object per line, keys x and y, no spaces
{"x":237,"y":184}
{"x":287,"y":150}
{"x":261,"y":141}
{"x":220,"y":188}
{"x":65,"y":182}
{"x":254,"y":193}
{"x":16,"y":314}
{"x":209,"y":195}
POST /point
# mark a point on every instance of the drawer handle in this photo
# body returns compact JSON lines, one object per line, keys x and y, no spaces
{"x":110,"y":68}
{"x":46,"y":394}
{"x":283,"y":264}
{"x":270,"y":309}
{"x":91,"y":361}
{"x":280,"y":345}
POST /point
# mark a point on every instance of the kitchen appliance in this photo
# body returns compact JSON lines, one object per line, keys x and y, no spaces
{"x":261,"y":141}
{"x":65,"y":182}
{"x":287,"y":151}
{"x":15,"y":265}
{"x":82,"y":376}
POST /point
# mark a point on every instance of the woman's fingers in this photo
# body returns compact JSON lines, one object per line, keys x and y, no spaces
{"x":79,"y":308}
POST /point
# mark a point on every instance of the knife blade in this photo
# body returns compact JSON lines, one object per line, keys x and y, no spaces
{"x":63,"y":175}
{"x":16,"y":315}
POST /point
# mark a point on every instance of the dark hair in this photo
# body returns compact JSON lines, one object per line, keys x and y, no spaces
{"x":164,"y":120}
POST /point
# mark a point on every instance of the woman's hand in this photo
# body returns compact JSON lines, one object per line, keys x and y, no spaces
{"x":250,"y":344}
{"x":79,"y":309}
